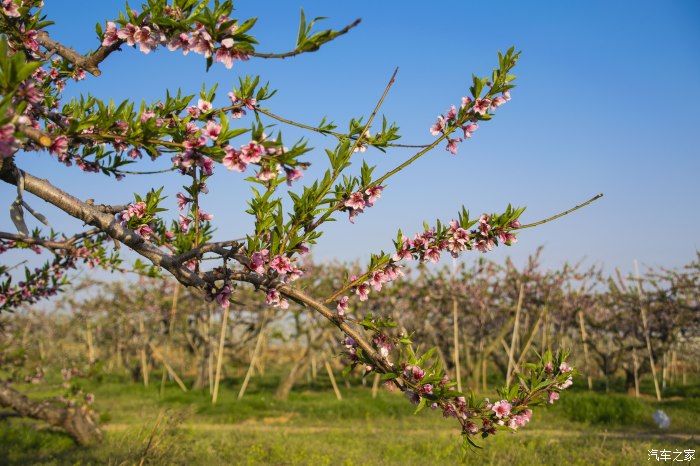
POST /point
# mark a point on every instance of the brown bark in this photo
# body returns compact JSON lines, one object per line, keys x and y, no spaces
{"x":78,"y":422}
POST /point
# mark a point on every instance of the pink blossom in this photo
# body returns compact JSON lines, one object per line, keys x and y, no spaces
{"x":59,"y":146}
{"x":515,"y":224}
{"x":497,"y":102}
{"x":147,"y":115}
{"x":293,"y":175}
{"x":481,"y":106}
{"x":501,"y":408}
{"x":507,"y":238}
{"x":413,"y":373}
{"x":226,"y":55}
{"x":362,"y":290}
{"x":146,"y":39}
{"x":451,"y":113}
{"x":274,"y":299}
{"x":184,"y":223}
{"x":232,"y":160}
{"x":432,"y":254}
{"x":201,"y":42}
{"x":182,"y":201}
{"x":506,"y":96}
{"x":29,"y":40}
{"x":145,"y":231}
{"x":484,"y":245}
{"x":212,"y":130}
{"x":469,"y":129}
{"x":549,"y":367}
{"x":204,"y":106}
{"x":452,"y":145}
{"x":206,"y":164}
{"x":342,"y":306}
{"x":356,"y":201}
{"x":471,"y":428}
{"x":566,"y":384}
{"x":266,"y":174}
{"x":222,"y":297}
{"x":553,"y":396}
{"x":180,"y":41}
{"x":466,"y":101}
{"x":281,"y":264}
{"x":564,"y":367}
{"x":373,"y":194}
{"x":205,"y":216}
{"x":438,"y":127}
{"x":377,"y":279}
{"x":134,"y":153}
{"x":9,"y":8}
{"x":426,"y":389}
{"x":128,"y":33}
{"x":252,"y":152}
{"x":258,"y":260}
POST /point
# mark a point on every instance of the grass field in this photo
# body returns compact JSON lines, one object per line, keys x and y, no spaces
{"x":312,"y":427}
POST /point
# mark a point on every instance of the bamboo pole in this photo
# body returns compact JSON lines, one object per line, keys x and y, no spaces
{"x":645,"y":326}
{"x":253,"y":358}
{"x":635,"y":362}
{"x":220,"y":356}
{"x":375,"y":384}
{"x":511,"y":352}
{"x":171,"y":327}
{"x":584,"y":340}
{"x":158,"y":355}
{"x":89,"y":341}
{"x":455,"y":335}
{"x":332,"y":377}
{"x":144,"y":359}
{"x":210,"y":354}
{"x":530,"y":338}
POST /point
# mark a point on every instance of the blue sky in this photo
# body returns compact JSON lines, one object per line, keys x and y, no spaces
{"x":606,"y":102}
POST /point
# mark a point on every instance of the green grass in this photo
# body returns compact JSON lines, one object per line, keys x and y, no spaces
{"x":312,"y":427}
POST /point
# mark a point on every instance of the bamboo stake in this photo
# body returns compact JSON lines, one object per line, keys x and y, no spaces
{"x":210,"y":355}
{"x":530,"y":338}
{"x":645,"y":326}
{"x":144,"y":360}
{"x":332,"y":377}
{"x":88,"y":340}
{"x":636,"y":372}
{"x":258,"y":345}
{"x":584,"y":340}
{"x":455,"y":335}
{"x":516,"y":324}
{"x":171,"y":326}
{"x":375,"y":385}
{"x":157,"y":354}
{"x":220,"y":356}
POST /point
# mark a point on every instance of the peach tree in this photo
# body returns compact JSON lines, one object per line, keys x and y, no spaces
{"x":235,"y":140}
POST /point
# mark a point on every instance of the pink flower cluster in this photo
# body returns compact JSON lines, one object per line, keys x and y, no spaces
{"x":137,"y":211}
{"x":41,"y":283}
{"x":253,"y":153}
{"x":376,"y":280}
{"x":8,"y":144}
{"x":428,"y":246}
{"x":357,"y":201}
{"x":9,"y":8}
{"x":199,"y":40}
{"x":472,"y":109}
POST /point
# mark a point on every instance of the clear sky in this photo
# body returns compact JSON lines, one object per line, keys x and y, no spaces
{"x":607,"y":101}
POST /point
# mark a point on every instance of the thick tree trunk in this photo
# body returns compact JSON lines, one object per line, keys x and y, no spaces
{"x":78,"y":422}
